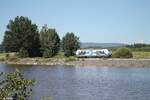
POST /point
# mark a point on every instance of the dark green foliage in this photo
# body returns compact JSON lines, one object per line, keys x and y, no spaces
{"x":137,"y":45}
{"x":1,"y":48}
{"x":50,"y":42}
{"x":14,"y":85}
{"x":21,"y":33}
{"x":23,"y":53}
{"x":47,"y":53}
{"x":143,"y":49}
{"x":70,"y":43}
{"x":123,"y":53}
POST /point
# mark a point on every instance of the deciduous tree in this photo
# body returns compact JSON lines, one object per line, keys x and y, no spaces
{"x":70,"y":43}
{"x":22,"y":33}
{"x":50,"y":42}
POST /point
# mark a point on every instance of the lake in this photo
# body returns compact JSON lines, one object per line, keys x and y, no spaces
{"x":86,"y":83}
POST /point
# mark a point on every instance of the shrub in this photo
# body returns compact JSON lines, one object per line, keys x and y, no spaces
{"x":123,"y":53}
{"x":7,"y":56}
{"x":15,"y":85}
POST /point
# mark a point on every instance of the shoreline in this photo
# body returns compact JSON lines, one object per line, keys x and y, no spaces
{"x":84,"y":62}
{"x":115,"y":62}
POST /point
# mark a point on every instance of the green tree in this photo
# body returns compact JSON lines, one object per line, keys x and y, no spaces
{"x":1,"y":48}
{"x":70,"y":43}
{"x":21,"y":33}
{"x":15,"y":85}
{"x":23,"y":53}
{"x":50,"y":42}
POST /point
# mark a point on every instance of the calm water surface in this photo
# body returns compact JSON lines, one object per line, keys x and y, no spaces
{"x":86,"y":83}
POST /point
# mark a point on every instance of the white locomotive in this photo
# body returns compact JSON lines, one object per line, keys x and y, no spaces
{"x":100,"y":53}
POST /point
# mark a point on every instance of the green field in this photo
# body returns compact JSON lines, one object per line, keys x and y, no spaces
{"x":141,"y":54}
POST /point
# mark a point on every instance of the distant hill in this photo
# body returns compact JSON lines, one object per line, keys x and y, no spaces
{"x":101,"y":45}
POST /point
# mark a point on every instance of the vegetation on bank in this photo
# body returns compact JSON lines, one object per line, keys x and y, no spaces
{"x":70,"y":43}
{"x":141,"y":54}
{"x":138,"y":50}
{"x":22,"y":36}
{"x":14,"y":58}
{"x":50,"y":42}
{"x":11,"y":57}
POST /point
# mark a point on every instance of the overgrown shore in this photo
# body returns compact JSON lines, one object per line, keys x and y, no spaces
{"x":83,"y":62}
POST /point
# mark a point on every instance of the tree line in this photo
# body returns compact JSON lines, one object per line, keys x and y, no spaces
{"x":139,"y":47}
{"x":23,"y":36}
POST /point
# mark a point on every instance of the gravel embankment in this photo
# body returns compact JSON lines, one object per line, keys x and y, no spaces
{"x":87,"y":62}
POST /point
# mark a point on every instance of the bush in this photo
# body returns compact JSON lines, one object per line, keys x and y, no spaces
{"x":15,"y":85}
{"x":123,"y":53}
{"x":7,"y":56}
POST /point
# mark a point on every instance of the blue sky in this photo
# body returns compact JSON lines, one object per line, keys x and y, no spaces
{"x":115,"y":21}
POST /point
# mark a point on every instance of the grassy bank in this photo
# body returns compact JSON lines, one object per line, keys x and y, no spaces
{"x":140,"y":54}
{"x":59,"y":59}
{"x":137,"y":61}
{"x":2,"y":56}
{"x":8,"y":56}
